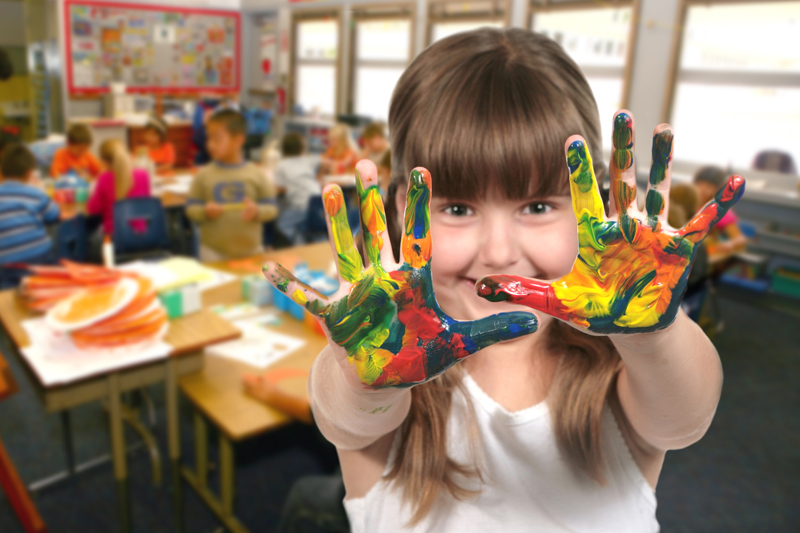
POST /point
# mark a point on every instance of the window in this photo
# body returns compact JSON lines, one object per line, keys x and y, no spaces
{"x":382,"y":47}
{"x":738,"y":83}
{"x":597,"y":39}
{"x":316,"y":44}
{"x":446,"y":18}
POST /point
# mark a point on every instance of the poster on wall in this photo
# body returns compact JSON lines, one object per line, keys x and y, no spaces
{"x":151,"y":48}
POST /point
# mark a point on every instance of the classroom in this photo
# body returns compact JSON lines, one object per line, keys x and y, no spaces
{"x":218,"y":224}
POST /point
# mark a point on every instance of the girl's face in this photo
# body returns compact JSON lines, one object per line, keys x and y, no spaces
{"x":532,"y":237}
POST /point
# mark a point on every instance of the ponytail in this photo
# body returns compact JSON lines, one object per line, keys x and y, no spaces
{"x":116,"y":156}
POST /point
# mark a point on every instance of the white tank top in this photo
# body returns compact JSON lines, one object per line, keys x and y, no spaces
{"x":530,"y":487}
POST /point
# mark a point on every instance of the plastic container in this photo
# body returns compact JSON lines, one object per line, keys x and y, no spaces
{"x":786,"y":282}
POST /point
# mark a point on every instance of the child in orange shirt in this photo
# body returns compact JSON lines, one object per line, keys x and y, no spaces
{"x":76,"y":157}
{"x":161,"y":152}
{"x":340,"y":158}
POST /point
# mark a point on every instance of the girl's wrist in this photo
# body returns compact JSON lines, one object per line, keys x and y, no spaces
{"x":652,"y":341}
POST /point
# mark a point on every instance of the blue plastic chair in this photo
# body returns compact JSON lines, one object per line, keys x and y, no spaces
{"x":71,"y":240}
{"x":146,"y":239}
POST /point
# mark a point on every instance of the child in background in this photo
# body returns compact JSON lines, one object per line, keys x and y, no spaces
{"x":76,"y":157}
{"x":230,"y":198}
{"x":296,"y":182}
{"x":340,"y":157}
{"x":559,"y":421}
{"x":726,"y":239}
{"x":119,"y":181}
{"x":160,"y":152}
{"x":375,"y":143}
{"x":385,"y":172}
{"x":24,"y":209}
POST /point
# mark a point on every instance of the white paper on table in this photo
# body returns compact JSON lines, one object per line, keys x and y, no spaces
{"x":259,"y":346}
{"x":164,"y":278}
{"x":56,"y":360}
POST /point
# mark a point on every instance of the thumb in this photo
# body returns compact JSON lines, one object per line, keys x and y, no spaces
{"x":534,"y":293}
{"x":496,"y":328}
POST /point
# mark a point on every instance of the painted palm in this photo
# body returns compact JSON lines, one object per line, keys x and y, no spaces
{"x":631,"y":270}
{"x":384,"y":322}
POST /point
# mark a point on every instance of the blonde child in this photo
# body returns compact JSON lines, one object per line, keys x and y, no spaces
{"x":340,"y":157}
{"x":560,"y":421}
{"x":118,"y":182}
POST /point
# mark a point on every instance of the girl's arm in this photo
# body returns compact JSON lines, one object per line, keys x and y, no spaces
{"x":349,"y":418}
{"x":670,"y":385}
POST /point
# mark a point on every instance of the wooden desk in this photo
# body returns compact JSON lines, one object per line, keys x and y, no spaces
{"x":7,"y":384}
{"x":217,"y":391}
{"x":188,"y":336}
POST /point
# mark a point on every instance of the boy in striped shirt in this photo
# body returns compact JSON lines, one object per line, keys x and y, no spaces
{"x":24,"y":210}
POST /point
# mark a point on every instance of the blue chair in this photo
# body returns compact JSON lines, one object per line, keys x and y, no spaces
{"x":140,"y":229}
{"x":71,"y":240}
{"x":315,"y":228}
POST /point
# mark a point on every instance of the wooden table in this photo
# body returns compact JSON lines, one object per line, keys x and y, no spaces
{"x":217,"y":391}
{"x":188,"y":336}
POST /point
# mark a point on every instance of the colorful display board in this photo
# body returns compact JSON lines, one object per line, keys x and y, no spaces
{"x":150,"y":48}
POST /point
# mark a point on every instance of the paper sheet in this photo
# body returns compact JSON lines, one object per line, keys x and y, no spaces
{"x":56,"y":360}
{"x":179,"y":271}
{"x":259,"y":345}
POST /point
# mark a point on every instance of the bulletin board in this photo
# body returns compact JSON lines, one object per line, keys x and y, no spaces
{"x":150,"y":49}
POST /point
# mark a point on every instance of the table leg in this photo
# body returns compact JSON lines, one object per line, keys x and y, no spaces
{"x":69,"y":451}
{"x":226,"y":474}
{"x":201,"y":450}
{"x":174,"y":443}
{"x":118,"y":450}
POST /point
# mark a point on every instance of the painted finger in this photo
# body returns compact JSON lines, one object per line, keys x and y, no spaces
{"x":302,"y":294}
{"x":623,"y":174}
{"x":696,"y":229}
{"x":496,"y":328}
{"x":348,"y":258}
{"x":535,"y":294}
{"x":373,"y":216}
{"x":657,"y":199}
{"x":586,"y":199}
{"x":416,"y":240}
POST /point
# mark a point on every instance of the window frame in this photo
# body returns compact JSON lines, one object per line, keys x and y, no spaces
{"x":376,"y":12}
{"x":310,"y":15}
{"x":720,"y":77}
{"x":501,"y":10}
{"x":545,"y":6}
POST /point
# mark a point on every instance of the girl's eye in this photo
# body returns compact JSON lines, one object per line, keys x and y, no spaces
{"x":537,"y":208}
{"x":458,"y":211}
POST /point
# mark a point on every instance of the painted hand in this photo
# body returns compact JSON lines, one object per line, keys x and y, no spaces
{"x":631,"y":270}
{"x":383,"y":323}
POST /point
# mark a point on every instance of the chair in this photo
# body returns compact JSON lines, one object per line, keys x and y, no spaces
{"x":315,"y":228}
{"x":71,"y":240}
{"x":774,"y":160}
{"x":140,"y":229}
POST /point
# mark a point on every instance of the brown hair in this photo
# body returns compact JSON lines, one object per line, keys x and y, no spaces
{"x":711,"y":174}
{"x":373,"y":129}
{"x":79,"y":134}
{"x":115,"y":155}
{"x":493,"y":108}
{"x":293,"y":144}
{"x":232,"y":120}
{"x":158,"y":125}
{"x":683,"y":204}
{"x":17,"y":162}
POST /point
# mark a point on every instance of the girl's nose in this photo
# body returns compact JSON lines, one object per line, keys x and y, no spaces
{"x":500,"y":247}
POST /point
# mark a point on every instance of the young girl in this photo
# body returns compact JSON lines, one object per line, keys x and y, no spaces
{"x":119,"y":181}
{"x":159,"y":150}
{"x":561,"y":421}
{"x":340,"y":157}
